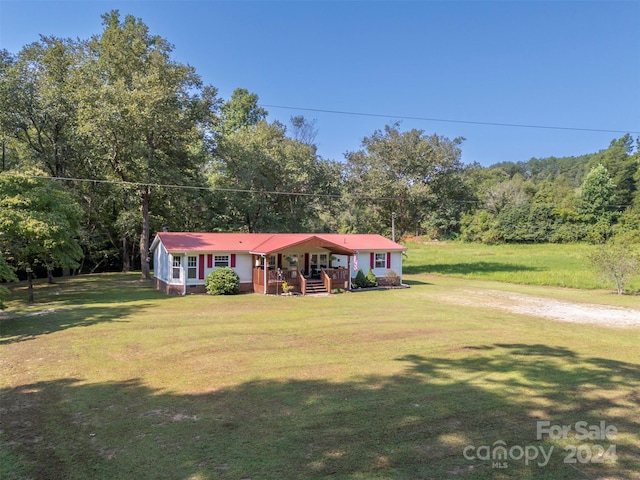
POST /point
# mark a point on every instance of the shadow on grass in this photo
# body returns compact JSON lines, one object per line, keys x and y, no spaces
{"x":482,"y":268}
{"x":412,"y":425}
{"x":19,"y":328}
{"x":73,"y":302}
{"x":408,"y":281}
{"x":89,"y":289}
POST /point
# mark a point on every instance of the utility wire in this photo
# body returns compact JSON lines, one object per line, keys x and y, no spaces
{"x":193,"y":187}
{"x":242,"y":190}
{"x":470,"y":122}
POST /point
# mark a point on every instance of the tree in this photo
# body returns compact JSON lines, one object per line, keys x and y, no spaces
{"x":143,"y":114}
{"x":6,"y":275}
{"x":418,"y":177}
{"x":621,"y":166}
{"x":595,"y":202}
{"x":269,"y":179}
{"x":36,"y":91}
{"x":616,"y":260}
{"x":303,"y":130}
{"x":512,"y":192}
{"x":241,"y":110}
{"x":39,"y":224}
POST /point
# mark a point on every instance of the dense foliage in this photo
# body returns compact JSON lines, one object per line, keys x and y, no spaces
{"x":529,"y":202}
{"x":137,"y":142}
{"x":222,"y":281}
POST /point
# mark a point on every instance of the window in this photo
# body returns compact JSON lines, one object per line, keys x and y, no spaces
{"x":323,"y":260}
{"x":272,"y":261}
{"x":192,"y":267}
{"x":176,"y":267}
{"x":381,"y":260}
{"x":221,"y":261}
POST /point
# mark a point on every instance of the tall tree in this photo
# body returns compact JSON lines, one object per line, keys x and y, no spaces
{"x":241,"y":110}
{"x":36,"y":91}
{"x":303,"y":130}
{"x":596,"y":202}
{"x":6,"y":275}
{"x":142,"y":112}
{"x":270,"y":180}
{"x":418,"y":177}
{"x":39,"y":222}
{"x":619,"y":161}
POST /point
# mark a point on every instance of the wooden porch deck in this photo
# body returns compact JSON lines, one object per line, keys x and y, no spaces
{"x":332,"y":278}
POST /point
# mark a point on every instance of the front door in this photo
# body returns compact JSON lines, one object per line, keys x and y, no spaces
{"x":316,"y":262}
{"x":314,"y":271}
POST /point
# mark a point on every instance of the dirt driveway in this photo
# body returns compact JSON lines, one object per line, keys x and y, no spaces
{"x":547,"y":308}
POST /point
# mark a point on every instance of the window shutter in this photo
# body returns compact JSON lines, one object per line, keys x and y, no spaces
{"x":233,"y":260}
{"x":210,"y":261}
{"x":201,"y":267}
{"x":372,"y":260}
{"x":388,"y":260}
{"x":279,"y":265}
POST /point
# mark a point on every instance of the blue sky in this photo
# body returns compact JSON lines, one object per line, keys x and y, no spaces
{"x":556,"y":64}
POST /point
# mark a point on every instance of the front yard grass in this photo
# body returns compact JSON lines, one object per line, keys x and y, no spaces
{"x":105,"y":378}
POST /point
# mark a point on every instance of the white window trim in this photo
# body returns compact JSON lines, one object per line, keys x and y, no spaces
{"x":219,"y":259}
{"x":174,"y":267}
{"x":383,"y":260}
{"x":192,"y":268}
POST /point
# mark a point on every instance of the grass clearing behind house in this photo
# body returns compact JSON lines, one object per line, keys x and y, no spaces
{"x":531,"y":264}
{"x":106,"y":378}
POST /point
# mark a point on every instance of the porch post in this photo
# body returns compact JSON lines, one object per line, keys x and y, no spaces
{"x":266,"y":265}
{"x":349,"y":270}
{"x":183,"y":275}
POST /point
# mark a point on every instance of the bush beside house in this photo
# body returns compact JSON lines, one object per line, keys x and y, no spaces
{"x":223,"y":281}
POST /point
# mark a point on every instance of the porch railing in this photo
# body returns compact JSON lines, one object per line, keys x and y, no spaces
{"x":335,"y":278}
{"x":275,"y":278}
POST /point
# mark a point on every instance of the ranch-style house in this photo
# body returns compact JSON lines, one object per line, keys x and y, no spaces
{"x":308,"y":262}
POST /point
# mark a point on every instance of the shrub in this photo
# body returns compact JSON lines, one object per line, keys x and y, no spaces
{"x":372,"y":281}
{"x":360,"y":281}
{"x":616,"y":261}
{"x":223,"y":281}
{"x":392,"y":279}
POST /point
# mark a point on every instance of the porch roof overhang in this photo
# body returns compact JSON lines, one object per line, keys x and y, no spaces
{"x":279,"y":243}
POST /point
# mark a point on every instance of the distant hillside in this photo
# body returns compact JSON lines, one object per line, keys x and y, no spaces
{"x":537,"y":169}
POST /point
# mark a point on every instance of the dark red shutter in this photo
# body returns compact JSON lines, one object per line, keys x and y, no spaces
{"x":372,"y":260}
{"x":233,"y":260}
{"x":209,"y":261}
{"x":388,"y":259}
{"x":279,"y":265}
{"x":201,"y":267}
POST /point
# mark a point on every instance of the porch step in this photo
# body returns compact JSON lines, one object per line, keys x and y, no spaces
{"x":315,"y":286}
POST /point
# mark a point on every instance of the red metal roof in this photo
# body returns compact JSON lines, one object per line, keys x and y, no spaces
{"x":265,"y":243}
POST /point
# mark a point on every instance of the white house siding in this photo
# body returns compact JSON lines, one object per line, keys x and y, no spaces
{"x":244,"y":267}
{"x":161,"y":264}
{"x":364,"y":263}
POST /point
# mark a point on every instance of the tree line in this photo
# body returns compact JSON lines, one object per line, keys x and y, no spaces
{"x":108,"y":139}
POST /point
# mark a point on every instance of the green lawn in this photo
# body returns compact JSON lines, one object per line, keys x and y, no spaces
{"x":536,"y":264}
{"x":105,"y":378}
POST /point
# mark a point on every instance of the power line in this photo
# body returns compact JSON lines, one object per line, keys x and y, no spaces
{"x":242,"y":190}
{"x":194,"y":187}
{"x":469,"y":122}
